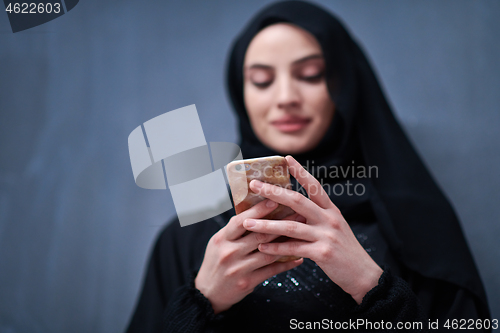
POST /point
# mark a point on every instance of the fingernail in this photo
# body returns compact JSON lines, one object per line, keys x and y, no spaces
{"x":264,"y":246}
{"x":249,"y":223}
{"x":256,"y":184}
{"x":271,"y":204}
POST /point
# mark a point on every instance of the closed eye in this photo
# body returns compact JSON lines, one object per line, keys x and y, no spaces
{"x":313,"y":78}
{"x":262,"y":85}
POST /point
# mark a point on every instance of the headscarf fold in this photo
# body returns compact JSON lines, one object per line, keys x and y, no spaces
{"x":417,"y":220}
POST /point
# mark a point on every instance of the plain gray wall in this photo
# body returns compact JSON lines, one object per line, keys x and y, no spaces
{"x":75,"y":230}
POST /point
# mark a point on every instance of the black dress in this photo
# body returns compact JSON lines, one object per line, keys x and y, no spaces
{"x":303,"y":296}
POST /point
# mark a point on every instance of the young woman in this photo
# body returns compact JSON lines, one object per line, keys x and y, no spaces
{"x":381,"y":246}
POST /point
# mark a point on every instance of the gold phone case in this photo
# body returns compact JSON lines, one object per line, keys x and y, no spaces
{"x":272,"y":170}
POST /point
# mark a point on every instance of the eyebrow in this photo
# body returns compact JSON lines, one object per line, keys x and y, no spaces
{"x":304,"y":59}
{"x":312,"y":56}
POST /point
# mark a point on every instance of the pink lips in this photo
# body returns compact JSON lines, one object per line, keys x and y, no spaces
{"x":291,"y":124}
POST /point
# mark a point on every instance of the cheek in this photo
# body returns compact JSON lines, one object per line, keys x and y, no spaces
{"x":323,"y":107}
{"x":319,"y":100}
{"x":257,"y":103}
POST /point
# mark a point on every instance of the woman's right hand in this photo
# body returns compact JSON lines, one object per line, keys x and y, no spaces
{"x":231,"y":268}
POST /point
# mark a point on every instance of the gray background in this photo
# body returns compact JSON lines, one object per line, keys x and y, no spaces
{"x":75,"y":230}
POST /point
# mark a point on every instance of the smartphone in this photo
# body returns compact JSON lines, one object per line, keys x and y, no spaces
{"x":272,"y":170}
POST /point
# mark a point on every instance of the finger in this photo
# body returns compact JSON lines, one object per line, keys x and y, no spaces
{"x":258,"y":259}
{"x":275,"y":268}
{"x":234,"y":229}
{"x":296,"y":217}
{"x":296,"y":201}
{"x":312,"y":186}
{"x":291,"y":229}
{"x":250,"y":242}
{"x":289,"y":248}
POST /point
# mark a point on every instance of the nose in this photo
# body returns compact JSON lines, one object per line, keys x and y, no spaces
{"x":288,"y":94}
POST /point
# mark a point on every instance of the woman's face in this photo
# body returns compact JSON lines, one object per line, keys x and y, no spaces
{"x":285,"y":92}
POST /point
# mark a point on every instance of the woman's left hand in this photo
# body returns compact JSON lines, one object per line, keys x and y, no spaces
{"x":325,"y":238}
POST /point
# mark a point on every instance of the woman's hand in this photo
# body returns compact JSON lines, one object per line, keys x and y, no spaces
{"x":232,"y":267}
{"x":325,"y":238}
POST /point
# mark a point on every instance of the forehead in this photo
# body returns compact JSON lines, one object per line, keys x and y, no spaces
{"x":281,"y":42}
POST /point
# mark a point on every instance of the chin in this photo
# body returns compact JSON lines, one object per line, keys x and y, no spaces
{"x":291,"y":148}
{"x":290,"y":143}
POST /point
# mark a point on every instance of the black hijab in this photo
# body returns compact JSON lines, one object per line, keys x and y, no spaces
{"x":416,"y":219}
